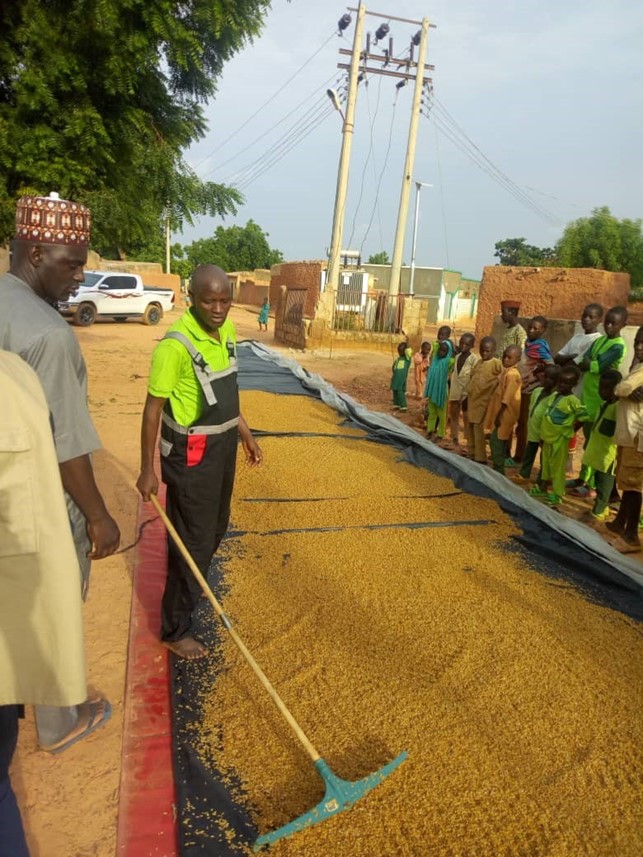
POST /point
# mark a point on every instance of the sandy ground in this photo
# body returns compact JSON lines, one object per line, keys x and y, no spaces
{"x":70,"y":802}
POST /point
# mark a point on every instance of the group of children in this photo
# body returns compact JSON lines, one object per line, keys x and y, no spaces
{"x":521,"y":400}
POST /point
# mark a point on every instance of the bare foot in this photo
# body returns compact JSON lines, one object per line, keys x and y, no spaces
{"x":624,"y":545}
{"x":187,"y":648}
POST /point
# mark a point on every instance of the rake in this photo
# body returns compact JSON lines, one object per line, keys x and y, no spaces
{"x":339,"y":794}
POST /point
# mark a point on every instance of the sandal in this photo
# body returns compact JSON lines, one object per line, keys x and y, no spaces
{"x":537,"y":492}
{"x":100,"y":710}
{"x":583,"y":491}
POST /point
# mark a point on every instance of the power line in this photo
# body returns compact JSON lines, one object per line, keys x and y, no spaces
{"x":293,"y":143}
{"x":316,"y":109}
{"x":379,"y":183}
{"x":371,"y":124}
{"x":496,"y":176}
{"x":444,"y":219}
{"x":279,"y":121}
{"x":269,"y":100}
{"x":448,"y":126}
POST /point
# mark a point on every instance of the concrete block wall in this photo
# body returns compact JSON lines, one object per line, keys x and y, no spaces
{"x":414,"y":315}
{"x":556,"y":293}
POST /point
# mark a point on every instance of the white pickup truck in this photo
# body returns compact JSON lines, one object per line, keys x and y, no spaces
{"x":109,"y":294}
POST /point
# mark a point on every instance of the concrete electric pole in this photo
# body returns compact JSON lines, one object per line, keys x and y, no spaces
{"x":407,"y":177}
{"x":345,"y":155}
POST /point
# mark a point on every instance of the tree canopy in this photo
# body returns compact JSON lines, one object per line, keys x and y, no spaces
{"x":380,"y":258}
{"x":235,"y":248}
{"x":603,"y":241}
{"x":516,"y":251}
{"x":598,"y":241}
{"x":98,"y":99}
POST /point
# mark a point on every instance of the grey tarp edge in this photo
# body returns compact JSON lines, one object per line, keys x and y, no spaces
{"x":585,"y":537}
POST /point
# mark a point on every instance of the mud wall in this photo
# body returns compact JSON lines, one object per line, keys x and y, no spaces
{"x":252,"y":294}
{"x":297,"y":275}
{"x":557,"y":293}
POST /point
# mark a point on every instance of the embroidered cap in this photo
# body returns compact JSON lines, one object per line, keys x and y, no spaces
{"x":52,"y":220}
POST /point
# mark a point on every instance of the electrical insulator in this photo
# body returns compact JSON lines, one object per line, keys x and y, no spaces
{"x":382,"y":32}
{"x":344,"y":22}
{"x":417,"y":38}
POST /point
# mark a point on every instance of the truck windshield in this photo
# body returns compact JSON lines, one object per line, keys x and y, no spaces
{"x":91,"y":279}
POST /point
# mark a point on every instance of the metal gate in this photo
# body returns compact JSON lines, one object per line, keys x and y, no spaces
{"x":295,"y":306}
{"x":291,"y":328}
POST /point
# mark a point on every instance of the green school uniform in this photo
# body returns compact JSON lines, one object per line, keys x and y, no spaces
{"x":399,"y":376}
{"x":600,"y":452}
{"x":537,"y":407}
{"x":556,"y":429}
{"x":603,"y":354}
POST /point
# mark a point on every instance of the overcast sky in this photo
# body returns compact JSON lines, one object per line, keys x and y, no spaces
{"x":550,"y":92}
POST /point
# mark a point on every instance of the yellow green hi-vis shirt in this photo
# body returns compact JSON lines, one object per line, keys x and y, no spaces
{"x":172,"y":374}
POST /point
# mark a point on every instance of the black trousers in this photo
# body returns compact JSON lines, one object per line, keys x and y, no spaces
{"x":198,"y":504}
{"x":12,"y":837}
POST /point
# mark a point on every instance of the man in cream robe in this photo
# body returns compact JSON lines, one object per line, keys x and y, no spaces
{"x":41,"y":637}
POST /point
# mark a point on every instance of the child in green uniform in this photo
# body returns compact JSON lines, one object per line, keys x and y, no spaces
{"x":600,"y":452}
{"x":606,"y":352}
{"x":564,"y":413}
{"x":399,"y":375}
{"x":547,"y":377}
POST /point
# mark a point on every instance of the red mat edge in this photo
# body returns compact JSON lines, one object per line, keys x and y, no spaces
{"x":147,"y":801}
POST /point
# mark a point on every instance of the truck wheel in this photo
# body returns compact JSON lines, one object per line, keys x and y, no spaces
{"x":85,"y":315}
{"x":153,"y":314}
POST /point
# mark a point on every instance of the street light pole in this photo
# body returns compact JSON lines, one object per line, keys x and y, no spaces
{"x":418,"y":188}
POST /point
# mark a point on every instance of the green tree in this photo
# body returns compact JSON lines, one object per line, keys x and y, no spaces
{"x":236,"y":248}
{"x":603,"y":241}
{"x":99,"y":98}
{"x":380,"y":258}
{"x":516,"y":251}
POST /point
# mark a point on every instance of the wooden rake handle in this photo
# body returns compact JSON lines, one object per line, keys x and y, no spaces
{"x":209,"y":594}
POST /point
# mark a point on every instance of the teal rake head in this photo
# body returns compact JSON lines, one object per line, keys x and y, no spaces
{"x":340,"y":795}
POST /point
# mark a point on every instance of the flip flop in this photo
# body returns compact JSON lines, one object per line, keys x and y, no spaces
{"x":583,"y":491}
{"x":95,"y":722}
{"x":622,"y":546}
{"x":537,"y":492}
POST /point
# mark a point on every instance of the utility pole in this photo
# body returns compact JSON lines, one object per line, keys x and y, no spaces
{"x":400,"y":232}
{"x":345,"y":156}
{"x":418,"y":188}
{"x":167,"y":240}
